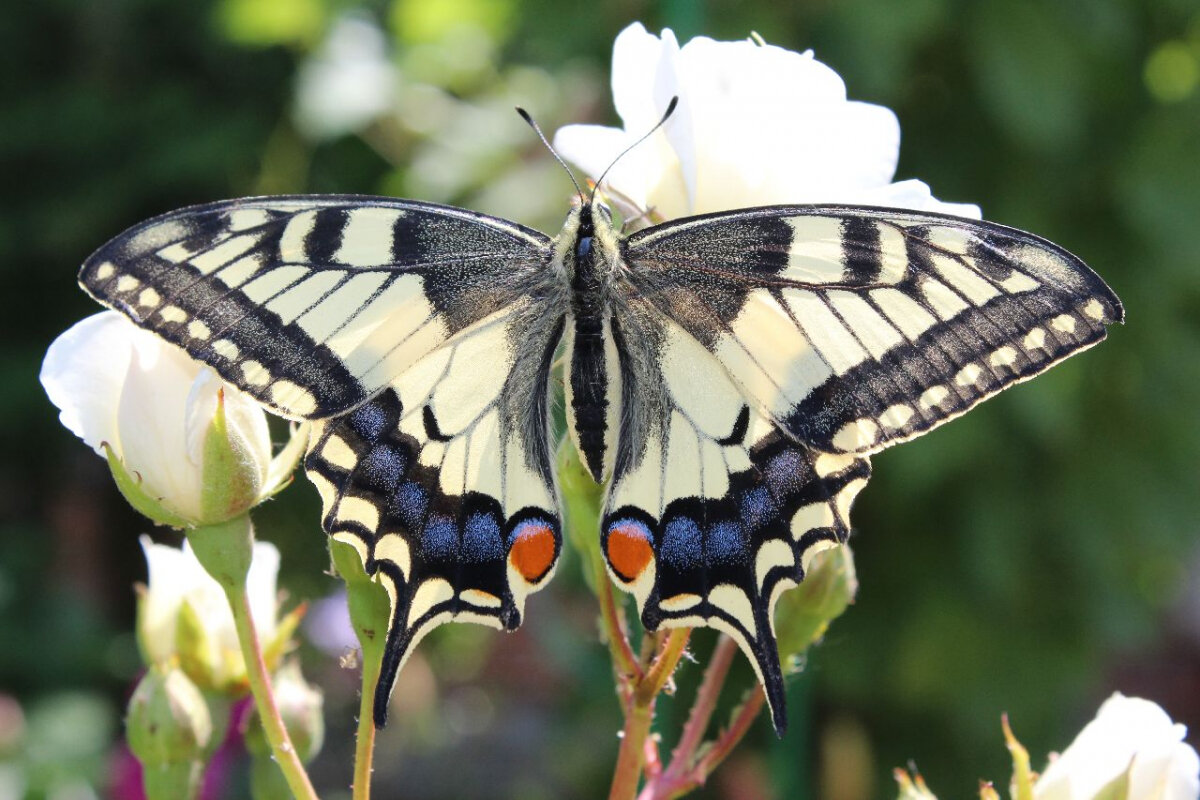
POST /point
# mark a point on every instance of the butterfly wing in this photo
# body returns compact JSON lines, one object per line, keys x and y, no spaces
{"x":314,"y":304}
{"x":713,"y":512}
{"x":784,"y":345}
{"x":443,"y":483}
{"x":856,"y":328}
{"x":419,"y":337}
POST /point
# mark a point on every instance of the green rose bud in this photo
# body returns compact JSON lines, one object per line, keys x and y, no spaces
{"x":169,"y":729}
{"x":803,"y":614}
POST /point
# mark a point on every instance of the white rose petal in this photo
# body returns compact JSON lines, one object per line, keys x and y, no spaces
{"x":755,"y":125}
{"x":1131,"y":734}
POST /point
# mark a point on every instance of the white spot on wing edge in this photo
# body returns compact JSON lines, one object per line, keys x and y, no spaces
{"x":105,"y":271}
{"x":1064,"y":323}
{"x":679,"y":602}
{"x":429,"y":594}
{"x":173,"y":314}
{"x":1004,"y":356}
{"x":734,"y":602}
{"x":933,"y":397}
{"x":293,"y":397}
{"x":393,"y":548}
{"x":356,"y":509}
{"x":811,"y":517}
{"x":338,"y":453}
{"x":897,"y":416}
{"x":856,"y":434}
{"x":225,"y":349}
{"x":968,"y":375}
{"x":198,"y":330}
{"x":1034,"y":339}
{"x":773,"y":553}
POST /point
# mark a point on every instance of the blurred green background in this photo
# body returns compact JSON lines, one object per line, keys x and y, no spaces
{"x":1030,"y":558}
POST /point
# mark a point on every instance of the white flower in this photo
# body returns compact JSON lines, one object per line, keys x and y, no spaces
{"x":207,"y":645}
{"x":1128,"y":735}
{"x":126,"y":388}
{"x":756,"y":125}
{"x":349,"y":83}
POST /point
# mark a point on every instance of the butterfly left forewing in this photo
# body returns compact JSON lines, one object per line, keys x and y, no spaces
{"x":443,"y":483}
{"x":856,"y":328}
{"x":713,"y":512}
{"x":312,"y":304}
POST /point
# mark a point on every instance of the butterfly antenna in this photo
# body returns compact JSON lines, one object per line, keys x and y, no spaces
{"x":666,"y":116}
{"x":525,"y":116}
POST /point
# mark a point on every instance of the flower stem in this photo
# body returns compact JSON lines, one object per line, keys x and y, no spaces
{"x":630,"y":757}
{"x":639,"y":712}
{"x":685,"y":771}
{"x":264,"y":698}
{"x":364,"y":747}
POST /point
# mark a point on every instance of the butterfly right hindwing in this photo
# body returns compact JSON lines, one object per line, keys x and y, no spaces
{"x":713,"y":512}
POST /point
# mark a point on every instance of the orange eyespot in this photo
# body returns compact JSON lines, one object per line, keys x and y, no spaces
{"x":532,"y":552}
{"x":628,"y":549}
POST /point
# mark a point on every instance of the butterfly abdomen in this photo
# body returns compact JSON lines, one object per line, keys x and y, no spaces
{"x":593,"y":379}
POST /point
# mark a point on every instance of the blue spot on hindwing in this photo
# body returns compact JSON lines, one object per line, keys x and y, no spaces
{"x":682,"y":544}
{"x":409,"y":503}
{"x":383,"y":467}
{"x":482,"y":539}
{"x":758,"y":508}
{"x":369,"y":421}
{"x":727,"y":543}
{"x":439,"y":540}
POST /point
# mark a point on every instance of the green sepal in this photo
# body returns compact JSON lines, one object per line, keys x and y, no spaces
{"x":370,"y":607}
{"x":804,"y":613}
{"x":279,"y":644}
{"x":1021,"y":785}
{"x":169,"y":729}
{"x":179,"y":781}
{"x":1117,"y":788}
{"x":231,"y":478}
{"x":912,"y":787}
{"x":225,"y":550}
{"x":195,"y":649}
{"x":582,"y":499}
{"x":130,"y":486}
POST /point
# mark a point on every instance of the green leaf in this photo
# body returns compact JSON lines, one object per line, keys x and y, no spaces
{"x":370,"y":607}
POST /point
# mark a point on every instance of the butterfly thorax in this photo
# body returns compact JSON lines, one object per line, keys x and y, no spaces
{"x":589,"y":249}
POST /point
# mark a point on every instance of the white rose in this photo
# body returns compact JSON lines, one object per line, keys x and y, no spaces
{"x":349,"y":83}
{"x":126,"y":388}
{"x":1132,"y":737}
{"x":209,"y":651}
{"x":755,"y":125}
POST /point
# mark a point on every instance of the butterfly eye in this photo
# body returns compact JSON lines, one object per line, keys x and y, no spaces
{"x":534,"y":549}
{"x":628,"y":548}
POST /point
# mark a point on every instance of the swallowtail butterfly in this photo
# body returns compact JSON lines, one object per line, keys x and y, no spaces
{"x":727,"y":378}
